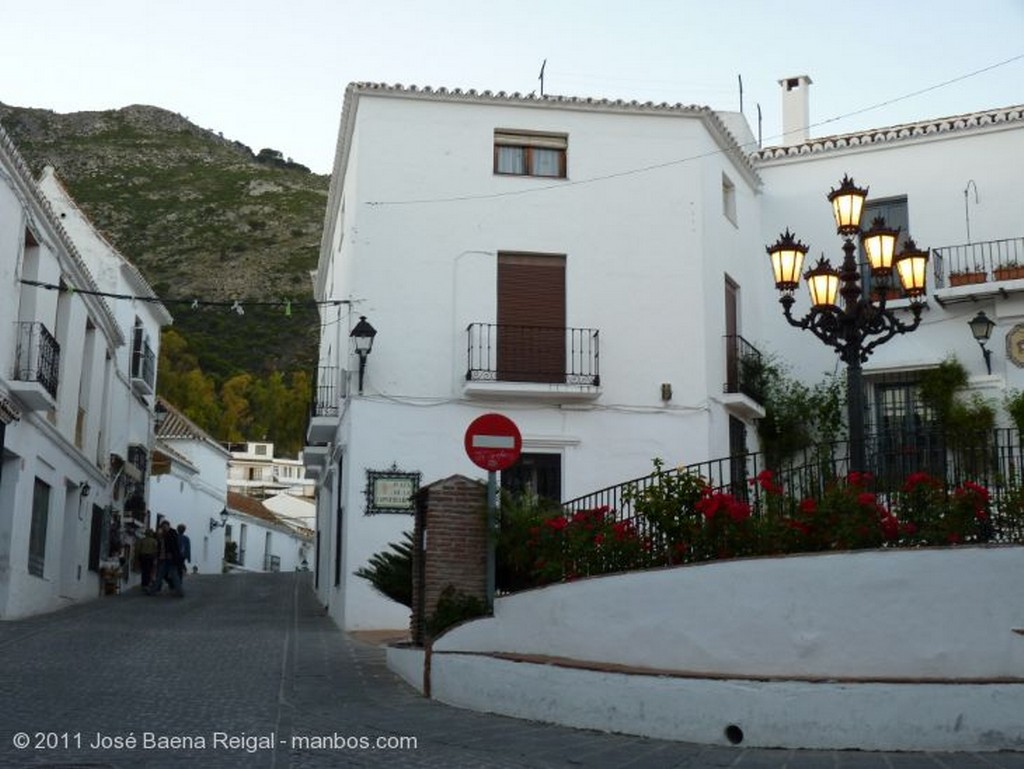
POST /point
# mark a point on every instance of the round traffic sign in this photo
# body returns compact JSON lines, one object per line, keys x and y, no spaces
{"x":493,"y":442}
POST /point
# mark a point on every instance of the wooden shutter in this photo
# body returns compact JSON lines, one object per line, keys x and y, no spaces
{"x":531,"y":318}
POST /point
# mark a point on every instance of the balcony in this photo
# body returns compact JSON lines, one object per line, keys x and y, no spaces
{"x":742,"y":394}
{"x":325,"y":408}
{"x":314,"y":458}
{"x":976,"y":270}
{"x":36,"y":366}
{"x":532,"y":361}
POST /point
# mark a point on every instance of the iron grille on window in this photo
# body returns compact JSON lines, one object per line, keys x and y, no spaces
{"x":37,"y":356}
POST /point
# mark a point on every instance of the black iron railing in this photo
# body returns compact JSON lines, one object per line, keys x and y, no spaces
{"x":504,"y":353}
{"x":743,"y":363}
{"x":37,"y":356}
{"x":326,"y":392}
{"x":978,"y":262}
{"x":992,"y":459}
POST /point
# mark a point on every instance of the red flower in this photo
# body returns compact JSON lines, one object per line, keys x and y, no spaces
{"x":857,"y":478}
{"x":599,"y":539}
{"x":867,"y":499}
{"x":557,"y":524}
{"x":623,"y":530}
{"x":890,"y":527}
{"x":765,"y":479}
{"x":954,"y":538}
{"x":981,"y":491}
{"x":920,"y":479}
{"x":809,"y":506}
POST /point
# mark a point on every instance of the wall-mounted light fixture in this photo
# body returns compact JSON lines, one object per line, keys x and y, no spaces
{"x":363,"y":335}
{"x":981,"y":327}
{"x":214,"y":523}
{"x":86,"y":489}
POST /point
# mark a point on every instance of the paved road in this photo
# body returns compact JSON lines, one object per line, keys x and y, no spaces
{"x":248,"y":672}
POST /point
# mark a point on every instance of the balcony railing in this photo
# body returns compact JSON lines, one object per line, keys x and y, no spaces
{"x":972,"y":263}
{"x":992,"y":459}
{"x":327,"y":392}
{"x":503,"y":353}
{"x":743,"y":362}
{"x":37,"y":356}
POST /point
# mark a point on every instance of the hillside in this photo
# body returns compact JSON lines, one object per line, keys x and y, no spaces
{"x":202,"y":217}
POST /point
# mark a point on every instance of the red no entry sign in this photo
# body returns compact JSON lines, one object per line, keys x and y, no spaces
{"x":493,"y":442}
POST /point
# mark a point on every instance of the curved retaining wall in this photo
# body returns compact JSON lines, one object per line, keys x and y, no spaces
{"x":886,"y":650}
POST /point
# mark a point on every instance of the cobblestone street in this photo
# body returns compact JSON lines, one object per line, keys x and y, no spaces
{"x":247,"y":671}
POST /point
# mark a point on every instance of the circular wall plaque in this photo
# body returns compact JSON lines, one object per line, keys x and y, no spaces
{"x":1015,"y":345}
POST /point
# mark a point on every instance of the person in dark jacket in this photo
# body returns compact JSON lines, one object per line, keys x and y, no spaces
{"x":168,"y":560}
{"x":186,"y":549}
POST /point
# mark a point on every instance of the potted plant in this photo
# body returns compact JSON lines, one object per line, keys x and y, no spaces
{"x":967,"y":277}
{"x":1011,"y":270}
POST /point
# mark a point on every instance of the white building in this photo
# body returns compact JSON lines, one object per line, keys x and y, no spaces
{"x":953,"y":185}
{"x":493,"y":240}
{"x":255,"y":470}
{"x":514,"y":256}
{"x":75,"y":397}
{"x":188,"y":485}
{"x":264,"y":541}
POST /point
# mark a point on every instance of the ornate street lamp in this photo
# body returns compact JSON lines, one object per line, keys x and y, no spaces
{"x":363,"y":335}
{"x":981,"y":328}
{"x":858,"y":324}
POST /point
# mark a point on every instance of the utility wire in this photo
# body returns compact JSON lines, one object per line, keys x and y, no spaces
{"x":235,"y":304}
{"x":565,"y":183}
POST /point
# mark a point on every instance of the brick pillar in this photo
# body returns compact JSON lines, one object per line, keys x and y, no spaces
{"x":449,"y":545}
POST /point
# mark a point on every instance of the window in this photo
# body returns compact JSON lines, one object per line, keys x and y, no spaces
{"x":260,"y":449}
{"x":908,"y":438}
{"x":894,"y":212}
{"x":536,"y":475}
{"x":530,"y":154}
{"x":37,"y":532}
{"x":728,"y":199}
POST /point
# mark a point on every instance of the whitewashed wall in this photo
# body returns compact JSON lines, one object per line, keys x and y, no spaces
{"x":932,"y":172}
{"x":646,"y":259}
{"x":926,"y":647}
{"x":194,"y":499}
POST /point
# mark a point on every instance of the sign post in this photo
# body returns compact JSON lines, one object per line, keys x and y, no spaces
{"x":494,"y":443}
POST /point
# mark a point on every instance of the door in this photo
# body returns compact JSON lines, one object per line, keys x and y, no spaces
{"x":531,"y":318}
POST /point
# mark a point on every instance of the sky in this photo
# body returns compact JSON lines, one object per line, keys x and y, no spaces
{"x":272,"y":73}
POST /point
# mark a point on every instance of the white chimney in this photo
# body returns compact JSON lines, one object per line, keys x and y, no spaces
{"x":796,"y":114}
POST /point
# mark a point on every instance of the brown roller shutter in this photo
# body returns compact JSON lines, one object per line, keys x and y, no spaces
{"x":531,"y":318}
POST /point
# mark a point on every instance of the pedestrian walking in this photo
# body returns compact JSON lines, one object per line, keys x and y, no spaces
{"x":145,"y":556}
{"x":186,"y":549}
{"x":168,"y":560}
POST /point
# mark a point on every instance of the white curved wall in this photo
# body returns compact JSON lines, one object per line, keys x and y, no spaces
{"x":918,"y":614}
{"x":890,"y":650}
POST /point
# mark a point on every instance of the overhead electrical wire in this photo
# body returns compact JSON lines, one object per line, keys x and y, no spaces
{"x":562,"y":184}
{"x":237,"y":305}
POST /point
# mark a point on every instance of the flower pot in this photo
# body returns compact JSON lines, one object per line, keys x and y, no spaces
{"x":1009,"y":273}
{"x":966,"y":278}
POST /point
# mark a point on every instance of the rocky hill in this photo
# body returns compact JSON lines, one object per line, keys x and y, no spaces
{"x":202,"y":217}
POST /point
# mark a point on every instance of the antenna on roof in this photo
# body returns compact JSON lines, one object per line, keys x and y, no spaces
{"x":540,"y":77}
{"x":759,"y":119}
{"x":740,"y":78}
